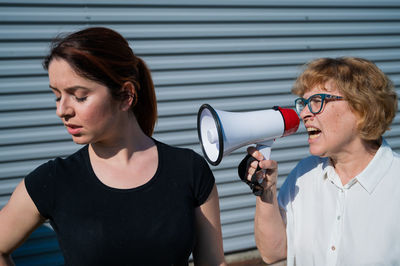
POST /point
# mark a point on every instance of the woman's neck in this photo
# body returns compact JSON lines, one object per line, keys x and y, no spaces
{"x":128,"y":140}
{"x":349,"y":165}
{"x":128,"y":161}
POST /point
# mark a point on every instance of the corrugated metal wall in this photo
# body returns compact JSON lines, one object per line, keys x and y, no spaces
{"x":234,"y":55}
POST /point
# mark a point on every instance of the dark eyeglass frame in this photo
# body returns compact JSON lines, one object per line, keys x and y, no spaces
{"x":307,"y":102}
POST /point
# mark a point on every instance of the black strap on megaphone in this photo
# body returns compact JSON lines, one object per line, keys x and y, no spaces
{"x":255,"y":186}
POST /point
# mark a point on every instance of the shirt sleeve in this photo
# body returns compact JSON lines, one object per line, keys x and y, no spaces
{"x":204,"y":180}
{"x":285,"y":191}
{"x":39,"y":184}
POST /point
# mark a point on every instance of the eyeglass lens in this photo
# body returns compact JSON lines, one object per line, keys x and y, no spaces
{"x":314,"y":104}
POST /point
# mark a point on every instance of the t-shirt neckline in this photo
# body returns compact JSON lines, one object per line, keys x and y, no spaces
{"x":98,"y":182}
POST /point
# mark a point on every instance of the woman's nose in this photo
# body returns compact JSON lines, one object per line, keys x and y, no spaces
{"x":64,"y":109}
{"x":305,"y":112}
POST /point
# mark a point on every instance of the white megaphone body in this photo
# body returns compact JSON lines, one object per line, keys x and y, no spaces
{"x":221,"y":132}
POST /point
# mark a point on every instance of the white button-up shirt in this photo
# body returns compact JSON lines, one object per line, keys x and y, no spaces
{"x":355,"y":224}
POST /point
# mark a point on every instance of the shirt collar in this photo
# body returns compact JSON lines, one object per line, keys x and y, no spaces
{"x":377,"y":168}
{"x":329,"y":173}
{"x":370,"y":176}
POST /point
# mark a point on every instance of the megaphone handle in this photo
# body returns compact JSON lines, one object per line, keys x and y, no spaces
{"x":265,"y":150}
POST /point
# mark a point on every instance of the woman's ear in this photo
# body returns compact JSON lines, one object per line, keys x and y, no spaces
{"x":129,"y":91}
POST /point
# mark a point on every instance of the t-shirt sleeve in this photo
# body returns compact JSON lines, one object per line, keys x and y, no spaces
{"x":39,"y":184}
{"x":204,"y":180}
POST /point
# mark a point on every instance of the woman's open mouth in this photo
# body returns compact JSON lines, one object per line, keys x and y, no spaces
{"x":313,"y":132}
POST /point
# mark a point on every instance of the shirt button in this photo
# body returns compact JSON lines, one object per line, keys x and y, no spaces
{"x":338,"y":217}
{"x":333,"y":248}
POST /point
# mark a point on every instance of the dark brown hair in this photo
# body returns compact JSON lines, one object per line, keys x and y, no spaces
{"x":369,"y":92}
{"x":104,"y":56}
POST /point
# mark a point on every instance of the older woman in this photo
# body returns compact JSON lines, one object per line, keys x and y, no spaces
{"x":338,"y":206}
{"x":124,"y":198}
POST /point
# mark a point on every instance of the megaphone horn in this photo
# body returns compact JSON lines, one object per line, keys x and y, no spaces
{"x":221,"y":132}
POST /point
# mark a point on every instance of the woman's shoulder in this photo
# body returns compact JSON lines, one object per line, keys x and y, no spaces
{"x":50,"y":167}
{"x":304,"y":172}
{"x":77,"y":157}
{"x":193,"y":169}
{"x":178,"y":152}
{"x":311,"y":161}
{"x":307,"y":166}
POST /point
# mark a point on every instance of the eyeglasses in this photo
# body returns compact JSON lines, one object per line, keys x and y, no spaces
{"x":315,"y":102}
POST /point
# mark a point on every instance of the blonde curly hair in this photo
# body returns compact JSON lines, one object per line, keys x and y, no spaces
{"x":369,"y":92}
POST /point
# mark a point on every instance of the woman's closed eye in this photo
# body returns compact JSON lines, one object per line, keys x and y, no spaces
{"x":80,"y":99}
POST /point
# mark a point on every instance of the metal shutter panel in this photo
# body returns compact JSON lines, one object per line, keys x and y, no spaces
{"x":236,"y":56}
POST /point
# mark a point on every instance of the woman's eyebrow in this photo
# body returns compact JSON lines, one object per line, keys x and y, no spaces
{"x":71,"y":89}
{"x":53,"y":88}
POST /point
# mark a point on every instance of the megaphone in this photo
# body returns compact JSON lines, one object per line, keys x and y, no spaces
{"x":221,"y":132}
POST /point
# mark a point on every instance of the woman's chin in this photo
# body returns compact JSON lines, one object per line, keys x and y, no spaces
{"x":317,"y":152}
{"x":80,"y":140}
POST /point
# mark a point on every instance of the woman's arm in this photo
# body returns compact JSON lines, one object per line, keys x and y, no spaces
{"x":208,"y":249}
{"x":18,"y":219}
{"x":6,"y":260}
{"x":269,"y":227}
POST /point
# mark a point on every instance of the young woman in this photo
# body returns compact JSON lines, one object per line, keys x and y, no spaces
{"x":338,"y":206}
{"x":124,"y":198}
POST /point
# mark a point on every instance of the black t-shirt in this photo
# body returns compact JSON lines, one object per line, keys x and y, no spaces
{"x":152,"y":224}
